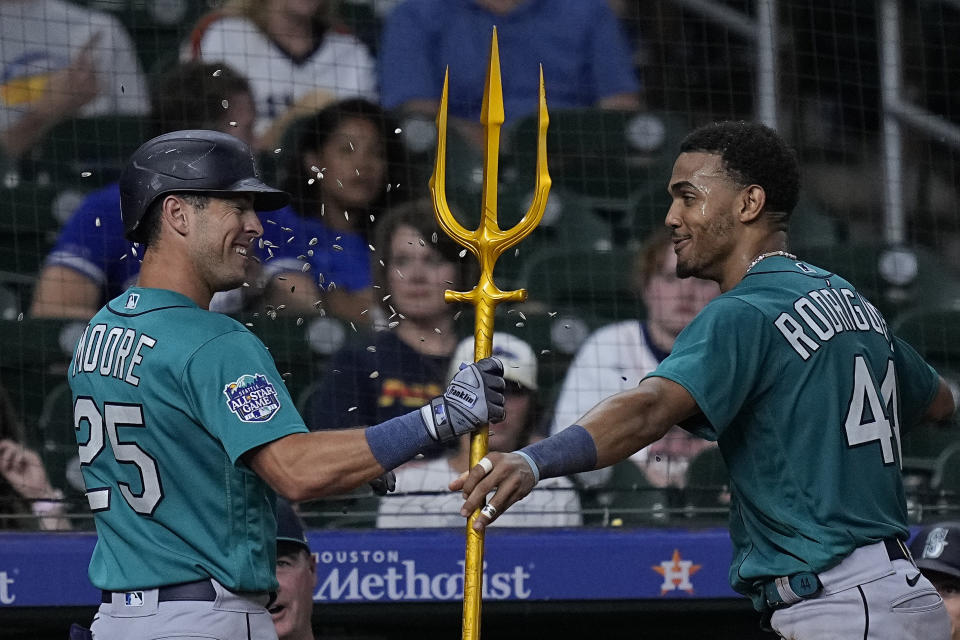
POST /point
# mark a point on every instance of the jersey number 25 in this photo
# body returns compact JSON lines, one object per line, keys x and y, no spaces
{"x":114,"y":415}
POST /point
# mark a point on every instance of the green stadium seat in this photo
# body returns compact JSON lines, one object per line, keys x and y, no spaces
{"x":896,"y":280}
{"x":34,"y":355}
{"x":605,"y":154}
{"x":87,"y":152}
{"x":627,"y":499}
{"x":707,"y":483}
{"x":299,"y":345}
{"x":934,"y":331}
{"x":589,"y":283}
{"x":30,"y":219}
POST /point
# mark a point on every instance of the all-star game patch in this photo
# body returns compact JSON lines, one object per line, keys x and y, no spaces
{"x":252,"y":398}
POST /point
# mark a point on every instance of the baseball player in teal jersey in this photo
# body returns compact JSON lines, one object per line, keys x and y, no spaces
{"x":185,"y":428}
{"x":798,"y":378}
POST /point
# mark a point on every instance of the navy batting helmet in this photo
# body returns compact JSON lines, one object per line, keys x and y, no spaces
{"x":197,"y":161}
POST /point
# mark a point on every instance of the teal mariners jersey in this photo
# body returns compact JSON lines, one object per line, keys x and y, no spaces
{"x":167,"y":398}
{"x":806,"y":391}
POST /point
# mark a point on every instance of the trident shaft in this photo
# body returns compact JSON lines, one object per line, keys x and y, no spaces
{"x":487,"y":243}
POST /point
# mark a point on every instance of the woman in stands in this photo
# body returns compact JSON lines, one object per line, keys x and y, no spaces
{"x":382,"y":376}
{"x":294,"y":53}
{"x":341,"y":178}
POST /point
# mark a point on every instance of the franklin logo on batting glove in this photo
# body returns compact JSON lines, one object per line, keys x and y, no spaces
{"x":474,"y":397}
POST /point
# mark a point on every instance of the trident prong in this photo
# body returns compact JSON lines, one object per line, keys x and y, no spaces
{"x":487,"y":243}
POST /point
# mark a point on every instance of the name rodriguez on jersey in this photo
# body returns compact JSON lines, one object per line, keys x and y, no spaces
{"x":824,"y":313}
{"x":114,"y":353}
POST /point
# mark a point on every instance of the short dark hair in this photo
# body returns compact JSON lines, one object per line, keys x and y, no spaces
{"x":150,"y":223}
{"x":753,"y":153}
{"x":419,"y":215}
{"x":191,"y":95}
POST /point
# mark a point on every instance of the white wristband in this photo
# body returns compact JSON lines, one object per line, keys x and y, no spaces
{"x":52,"y":506}
{"x":533,"y":466}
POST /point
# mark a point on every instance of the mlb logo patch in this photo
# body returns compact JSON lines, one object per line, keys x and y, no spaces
{"x":133,"y":599}
{"x":252,"y":398}
{"x":132,"y":301}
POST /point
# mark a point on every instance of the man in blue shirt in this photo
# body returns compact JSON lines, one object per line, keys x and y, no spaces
{"x":585,"y":56}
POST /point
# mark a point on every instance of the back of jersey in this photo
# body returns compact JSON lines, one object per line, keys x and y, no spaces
{"x":167,"y":397}
{"x":806,"y":391}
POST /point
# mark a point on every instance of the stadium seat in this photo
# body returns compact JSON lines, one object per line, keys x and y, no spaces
{"x":299,"y":345}
{"x":626,"y":499}
{"x":86,"y":152}
{"x":30,"y":218}
{"x":34,"y":355}
{"x":946,"y":481}
{"x":605,"y":154}
{"x":596,"y":285}
{"x":934,"y":331}
{"x":707,"y":483}
{"x":895,"y":279}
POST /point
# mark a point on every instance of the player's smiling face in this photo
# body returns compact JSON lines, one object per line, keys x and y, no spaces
{"x":702,"y":214}
{"x":223,"y":249}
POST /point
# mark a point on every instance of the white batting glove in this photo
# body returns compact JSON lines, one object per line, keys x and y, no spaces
{"x":474,"y":398}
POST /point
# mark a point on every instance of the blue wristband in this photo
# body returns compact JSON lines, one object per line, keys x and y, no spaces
{"x":570,"y":451}
{"x":398,"y":439}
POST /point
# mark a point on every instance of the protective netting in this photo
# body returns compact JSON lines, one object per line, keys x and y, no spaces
{"x":867,"y":92}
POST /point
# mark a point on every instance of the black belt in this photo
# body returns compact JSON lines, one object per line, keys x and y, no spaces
{"x":199,"y":591}
{"x":806,"y":584}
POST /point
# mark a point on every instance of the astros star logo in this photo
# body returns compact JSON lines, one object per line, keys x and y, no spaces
{"x":676,"y":573}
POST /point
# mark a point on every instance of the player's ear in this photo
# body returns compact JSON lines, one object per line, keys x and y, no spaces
{"x":173,"y":213}
{"x":750,"y":203}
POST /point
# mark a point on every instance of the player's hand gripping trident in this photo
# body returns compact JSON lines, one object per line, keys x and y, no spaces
{"x":487,"y":243}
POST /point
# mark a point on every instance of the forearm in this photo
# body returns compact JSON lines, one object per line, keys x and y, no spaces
{"x":306,"y":466}
{"x":624,"y":423}
{"x":617,"y":427}
{"x":322,"y":463}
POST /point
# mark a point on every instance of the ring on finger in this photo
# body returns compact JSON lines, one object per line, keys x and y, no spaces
{"x":486,"y":464}
{"x":489,"y":510}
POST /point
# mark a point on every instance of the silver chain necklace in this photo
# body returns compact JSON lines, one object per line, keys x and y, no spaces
{"x":769,"y":254}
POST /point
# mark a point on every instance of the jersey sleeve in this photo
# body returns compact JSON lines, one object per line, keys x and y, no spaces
{"x":237,"y":394}
{"x":917,"y":381}
{"x":720,"y":359}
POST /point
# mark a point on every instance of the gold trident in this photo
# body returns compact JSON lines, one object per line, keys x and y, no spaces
{"x":487,"y":243}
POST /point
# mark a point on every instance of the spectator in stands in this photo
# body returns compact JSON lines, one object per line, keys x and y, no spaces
{"x":553,"y":504}
{"x":92,"y":262}
{"x":25,"y":487}
{"x":616,"y":357}
{"x":404,"y":365}
{"x":297,"y":575}
{"x":340,"y":179}
{"x":295,"y":55}
{"x":59,"y":60}
{"x":936,"y":550}
{"x":585,"y":56}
